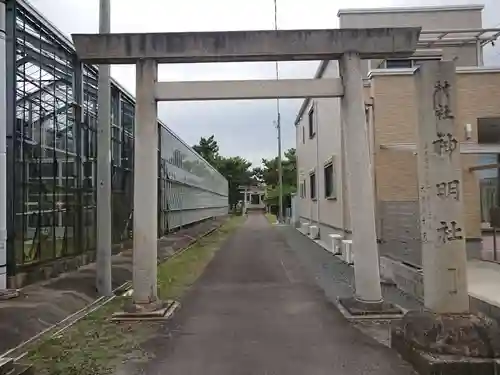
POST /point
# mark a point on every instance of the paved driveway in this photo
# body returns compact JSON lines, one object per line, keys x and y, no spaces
{"x":256,"y":311}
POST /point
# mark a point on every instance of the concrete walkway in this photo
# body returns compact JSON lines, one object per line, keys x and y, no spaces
{"x":256,"y":311}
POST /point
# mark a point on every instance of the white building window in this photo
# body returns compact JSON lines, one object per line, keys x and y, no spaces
{"x":302,"y":188}
{"x":330,"y":180}
{"x":312,"y":131}
{"x":398,"y":63}
{"x":312,"y":185}
{"x":407,"y":63}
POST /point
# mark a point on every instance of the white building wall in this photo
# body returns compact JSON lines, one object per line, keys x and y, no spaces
{"x":314,"y":153}
{"x":333,"y":215}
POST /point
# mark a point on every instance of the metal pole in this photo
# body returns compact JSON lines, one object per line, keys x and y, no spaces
{"x":3,"y":149}
{"x":318,"y":198}
{"x":494,"y":244}
{"x":278,"y":125}
{"x":479,"y":53}
{"x":103,"y":264}
{"x":280,"y":171}
{"x":497,"y":203}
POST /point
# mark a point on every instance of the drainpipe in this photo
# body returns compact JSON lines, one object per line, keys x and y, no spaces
{"x":318,"y":198}
{"x":3,"y":149}
{"x":343,"y":176}
{"x":479,"y":53}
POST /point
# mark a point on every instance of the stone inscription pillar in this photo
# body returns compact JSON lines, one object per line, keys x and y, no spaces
{"x":440,"y":190}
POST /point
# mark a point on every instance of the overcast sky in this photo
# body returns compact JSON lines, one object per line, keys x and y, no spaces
{"x":243,"y":128}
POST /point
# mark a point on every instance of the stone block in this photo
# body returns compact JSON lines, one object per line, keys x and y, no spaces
{"x":47,"y":272}
{"x":356,"y":308}
{"x":494,"y":312}
{"x":57,"y":268}
{"x":387,"y":270}
{"x":20,"y":280}
{"x":426,"y":363}
{"x":447,"y":344}
{"x":33,"y":275}
{"x":409,"y":279}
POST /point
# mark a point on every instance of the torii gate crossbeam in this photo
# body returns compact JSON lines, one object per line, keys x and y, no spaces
{"x":239,"y":46}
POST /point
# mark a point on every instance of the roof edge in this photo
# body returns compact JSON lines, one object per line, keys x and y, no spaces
{"x":410,"y":71}
{"x":411,"y":9}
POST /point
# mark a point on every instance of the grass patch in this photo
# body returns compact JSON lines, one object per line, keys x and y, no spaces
{"x":95,"y":345}
{"x":271,"y":218}
{"x":179,"y":273}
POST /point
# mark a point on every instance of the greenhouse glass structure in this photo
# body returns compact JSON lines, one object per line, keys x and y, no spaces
{"x":51,"y":152}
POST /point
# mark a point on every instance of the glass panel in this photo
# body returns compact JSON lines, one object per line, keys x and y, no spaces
{"x":395,"y":64}
{"x":55,"y":156}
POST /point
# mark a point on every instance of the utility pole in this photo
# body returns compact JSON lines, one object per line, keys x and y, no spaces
{"x":3,"y":148}
{"x":278,"y":126}
{"x":103,"y":263}
{"x":280,"y":169}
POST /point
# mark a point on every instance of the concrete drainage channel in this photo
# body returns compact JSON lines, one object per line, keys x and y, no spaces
{"x":10,"y":361}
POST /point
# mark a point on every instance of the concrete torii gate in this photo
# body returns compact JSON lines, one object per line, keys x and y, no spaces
{"x":348,"y":46}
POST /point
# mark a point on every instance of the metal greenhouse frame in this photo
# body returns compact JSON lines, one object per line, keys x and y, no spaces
{"x":51,"y":152}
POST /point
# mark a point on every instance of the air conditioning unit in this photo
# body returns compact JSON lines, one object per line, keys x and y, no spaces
{"x":314,"y":232}
{"x":347,"y":253}
{"x":336,"y":243}
{"x":304,"y":227}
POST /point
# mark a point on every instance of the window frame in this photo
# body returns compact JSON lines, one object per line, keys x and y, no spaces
{"x":311,"y":118}
{"x":302,"y":189}
{"x":331,"y":191}
{"x":409,"y":61}
{"x":414,"y":61}
{"x":312,"y":187}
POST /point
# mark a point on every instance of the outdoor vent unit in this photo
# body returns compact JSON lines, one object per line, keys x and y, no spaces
{"x":314,"y":232}
{"x":468,"y":131}
{"x":347,"y":253}
{"x":336,"y":243}
{"x":304,"y":227}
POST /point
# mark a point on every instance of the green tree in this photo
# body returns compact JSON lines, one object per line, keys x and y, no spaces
{"x":237,"y":172}
{"x":235,"y":169}
{"x":208,"y":149}
{"x":269,"y":175}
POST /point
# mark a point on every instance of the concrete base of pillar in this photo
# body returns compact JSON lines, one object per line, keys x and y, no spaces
{"x":8,"y":294}
{"x":448,"y":344}
{"x":353,"y":308}
{"x":160,"y":310}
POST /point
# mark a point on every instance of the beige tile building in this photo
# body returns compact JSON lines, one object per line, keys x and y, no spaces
{"x":392,"y":124}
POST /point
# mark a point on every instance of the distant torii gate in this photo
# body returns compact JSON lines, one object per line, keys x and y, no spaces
{"x":348,"y":46}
